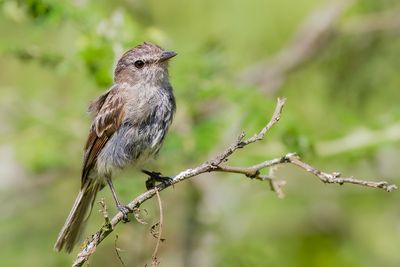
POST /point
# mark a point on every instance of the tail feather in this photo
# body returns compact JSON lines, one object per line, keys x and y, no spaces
{"x":77,"y":218}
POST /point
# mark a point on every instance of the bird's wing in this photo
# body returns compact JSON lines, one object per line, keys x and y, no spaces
{"x":108,"y":112}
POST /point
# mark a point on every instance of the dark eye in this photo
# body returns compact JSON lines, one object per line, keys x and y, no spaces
{"x":139,"y":64}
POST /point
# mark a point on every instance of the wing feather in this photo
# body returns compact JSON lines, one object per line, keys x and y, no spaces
{"x":108,"y":112}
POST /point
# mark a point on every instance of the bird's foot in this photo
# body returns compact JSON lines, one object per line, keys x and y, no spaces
{"x":156,"y":177}
{"x":125,"y":211}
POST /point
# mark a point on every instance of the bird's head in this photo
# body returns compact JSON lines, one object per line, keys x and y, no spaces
{"x":146,"y":63}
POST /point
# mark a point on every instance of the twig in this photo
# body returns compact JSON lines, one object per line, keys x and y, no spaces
{"x":335,"y":177}
{"x":155,"y":261}
{"x":104,"y":211}
{"x":137,"y":215}
{"x":214,"y":165}
{"x":117,"y":249}
{"x":253,"y":172}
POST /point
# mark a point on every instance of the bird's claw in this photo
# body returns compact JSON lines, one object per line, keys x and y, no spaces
{"x":156,"y":177}
{"x":125,"y":211}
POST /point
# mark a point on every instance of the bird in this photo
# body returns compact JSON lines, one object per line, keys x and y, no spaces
{"x":129,"y":123}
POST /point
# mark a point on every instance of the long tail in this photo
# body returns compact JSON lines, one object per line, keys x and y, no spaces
{"x":77,"y":218}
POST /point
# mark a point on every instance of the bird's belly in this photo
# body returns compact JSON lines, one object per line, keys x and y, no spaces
{"x":130,"y":145}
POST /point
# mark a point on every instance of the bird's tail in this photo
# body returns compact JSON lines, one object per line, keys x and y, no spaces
{"x":77,"y":218}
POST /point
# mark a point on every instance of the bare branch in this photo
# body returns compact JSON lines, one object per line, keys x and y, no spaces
{"x":387,"y":20}
{"x":316,"y":32}
{"x":216,"y":165}
{"x":240,"y":143}
{"x":253,"y":172}
{"x":335,"y":177}
{"x":312,"y":35}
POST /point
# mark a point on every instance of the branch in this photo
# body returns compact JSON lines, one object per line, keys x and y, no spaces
{"x":384,"y":21}
{"x":216,"y":165}
{"x":317,"y":31}
{"x":309,"y":39}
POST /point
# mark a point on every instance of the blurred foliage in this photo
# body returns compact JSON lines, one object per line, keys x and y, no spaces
{"x":58,"y":55}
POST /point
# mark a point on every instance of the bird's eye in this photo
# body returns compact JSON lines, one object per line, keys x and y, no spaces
{"x":139,"y":64}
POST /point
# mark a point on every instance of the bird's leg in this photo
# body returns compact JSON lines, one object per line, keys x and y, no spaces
{"x":156,"y":177}
{"x":121,"y":208}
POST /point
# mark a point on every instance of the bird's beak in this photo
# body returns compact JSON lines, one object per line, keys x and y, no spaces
{"x":167,"y":55}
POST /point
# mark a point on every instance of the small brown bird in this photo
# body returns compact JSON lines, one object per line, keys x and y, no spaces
{"x":130,"y":121}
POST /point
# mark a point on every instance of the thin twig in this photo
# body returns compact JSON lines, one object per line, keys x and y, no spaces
{"x":216,"y":165}
{"x":104,"y":211}
{"x":155,"y":261}
{"x":117,"y":249}
{"x":137,"y":215}
{"x":240,"y":143}
{"x":335,"y":177}
{"x":253,"y":172}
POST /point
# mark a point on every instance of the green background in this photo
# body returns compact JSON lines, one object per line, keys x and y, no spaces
{"x":342,"y":114}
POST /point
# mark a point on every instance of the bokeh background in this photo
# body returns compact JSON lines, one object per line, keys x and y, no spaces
{"x":337,"y":63}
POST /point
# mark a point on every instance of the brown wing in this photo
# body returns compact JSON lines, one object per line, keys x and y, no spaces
{"x":108,"y":112}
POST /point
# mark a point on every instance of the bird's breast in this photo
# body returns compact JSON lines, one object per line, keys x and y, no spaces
{"x":142,"y":132}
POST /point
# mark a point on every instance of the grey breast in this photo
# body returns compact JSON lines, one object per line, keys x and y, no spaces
{"x":142,"y":132}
